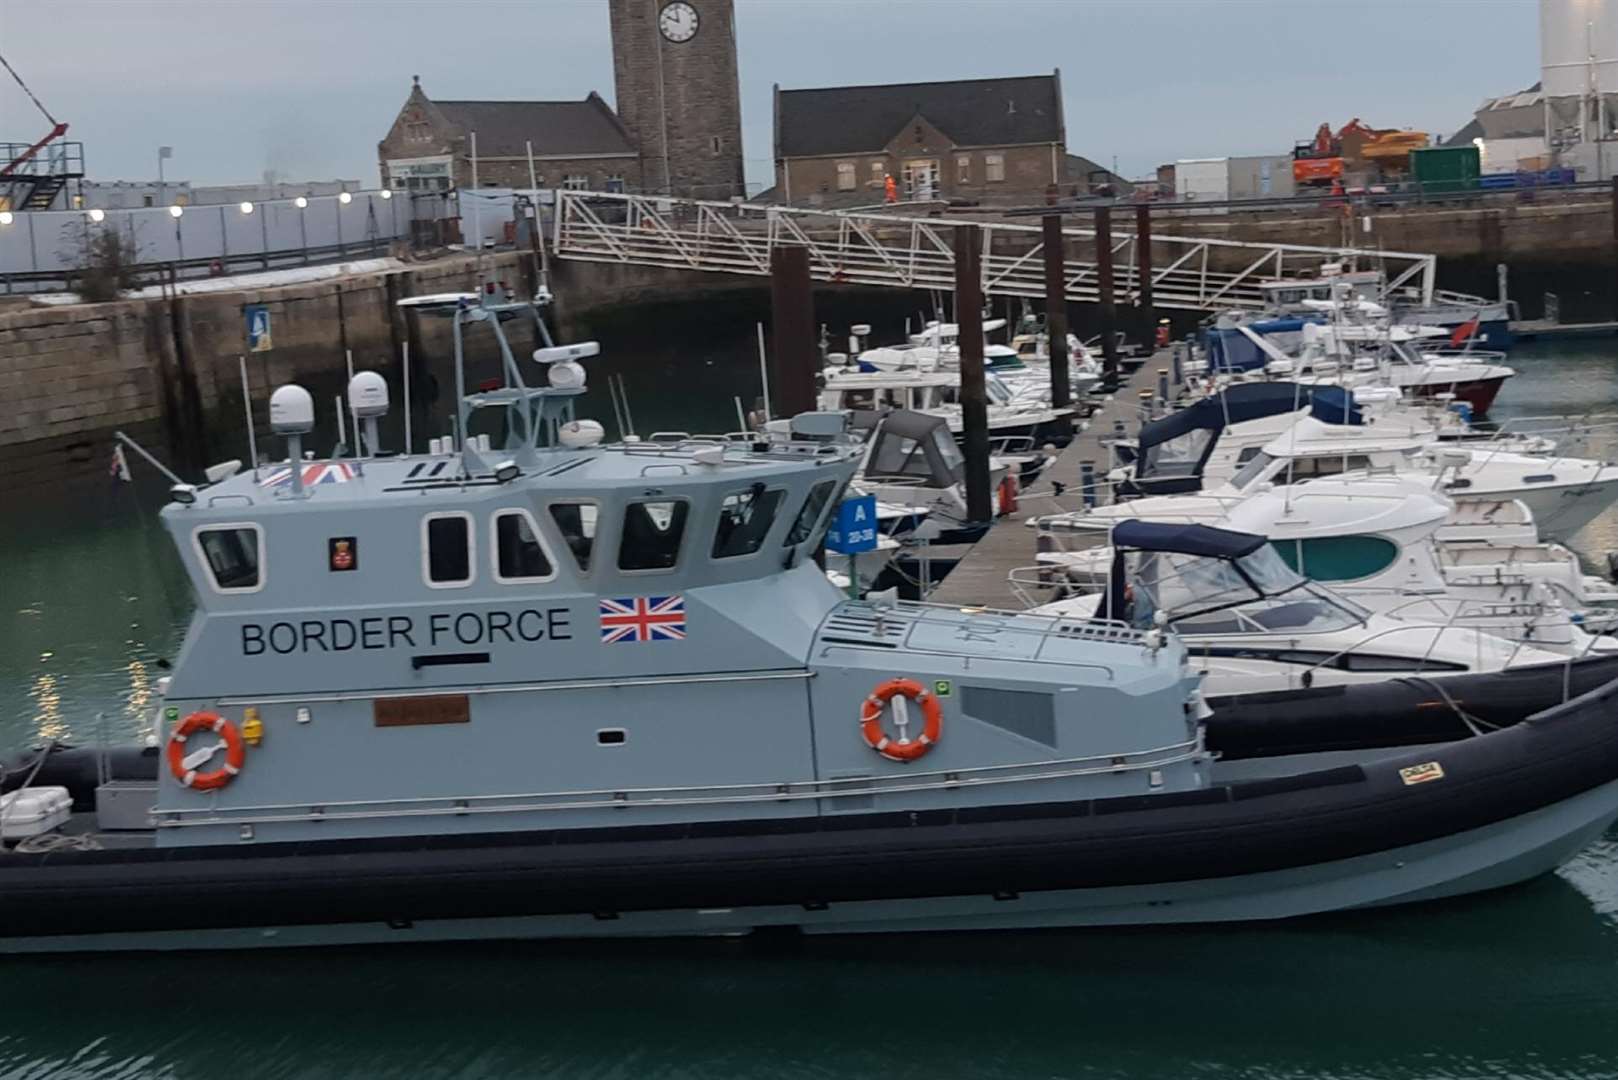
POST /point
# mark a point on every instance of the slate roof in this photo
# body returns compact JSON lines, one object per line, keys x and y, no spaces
{"x":864,"y":119}
{"x":557,"y":128}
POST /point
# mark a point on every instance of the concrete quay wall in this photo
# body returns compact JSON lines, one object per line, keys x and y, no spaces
{"x":167,"y":370}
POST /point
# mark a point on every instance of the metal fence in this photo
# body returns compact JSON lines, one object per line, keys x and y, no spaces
{"x":42,"y":249}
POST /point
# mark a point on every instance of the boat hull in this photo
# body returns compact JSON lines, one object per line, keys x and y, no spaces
{"x":1395,"y":827}
{"x":1478,"y":393}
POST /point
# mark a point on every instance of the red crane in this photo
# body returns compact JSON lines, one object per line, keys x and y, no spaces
{"x":57,"y":130}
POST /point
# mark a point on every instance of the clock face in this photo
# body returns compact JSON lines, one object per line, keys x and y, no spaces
{"x":678,"y":21}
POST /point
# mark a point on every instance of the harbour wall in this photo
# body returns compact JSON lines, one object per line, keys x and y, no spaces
{"x":166,"y":370}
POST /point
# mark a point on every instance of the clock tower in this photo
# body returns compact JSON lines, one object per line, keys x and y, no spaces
{"x":674,"y":65}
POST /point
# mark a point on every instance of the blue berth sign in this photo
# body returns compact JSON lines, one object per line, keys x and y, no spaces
{"x":854,"y":528}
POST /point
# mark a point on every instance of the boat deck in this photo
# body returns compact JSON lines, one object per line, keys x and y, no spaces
{"x":980,"y":578}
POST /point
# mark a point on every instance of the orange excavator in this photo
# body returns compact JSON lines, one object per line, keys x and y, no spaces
{"x":1319,"y":162}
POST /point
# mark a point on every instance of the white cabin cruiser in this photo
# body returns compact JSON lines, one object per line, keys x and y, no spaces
{"x":1374,"y":540}
{"x":1563,"y":494}
{"x":1253,"y":624}
{"x":1013,"y":424}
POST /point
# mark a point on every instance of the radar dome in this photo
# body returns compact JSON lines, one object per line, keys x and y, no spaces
{"x":292,"y":411}
{"x":580,"y":433}
{"x":368,"y":395}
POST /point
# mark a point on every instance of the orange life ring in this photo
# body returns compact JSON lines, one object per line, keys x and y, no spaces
{"x":235,"y":752}
{"x":904,"y":748}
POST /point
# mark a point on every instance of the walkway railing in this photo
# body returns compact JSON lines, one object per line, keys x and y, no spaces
{"x":1195,"y":273}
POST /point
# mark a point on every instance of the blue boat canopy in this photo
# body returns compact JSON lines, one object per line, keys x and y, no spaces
{"x":1232,"y":350}
{"x":1185,"y":539}
{"x":1335,"y":405}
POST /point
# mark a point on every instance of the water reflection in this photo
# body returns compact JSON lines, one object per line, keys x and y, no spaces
{"x":48,"y":722}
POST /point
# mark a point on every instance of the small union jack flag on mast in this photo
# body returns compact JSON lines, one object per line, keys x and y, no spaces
{"x":642,"y":618}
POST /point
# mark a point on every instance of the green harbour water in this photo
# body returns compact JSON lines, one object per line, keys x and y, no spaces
{"x":1519,"y":983}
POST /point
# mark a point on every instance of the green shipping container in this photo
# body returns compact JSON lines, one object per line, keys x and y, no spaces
{"x":1440,"y":169}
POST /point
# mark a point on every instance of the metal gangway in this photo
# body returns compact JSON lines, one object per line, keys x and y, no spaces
{"x":894,"y":249}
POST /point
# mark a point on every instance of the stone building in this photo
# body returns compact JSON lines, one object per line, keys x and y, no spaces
{"x":677,"y":129}
{"x":576,"y":144}
{"x":995,"y":139}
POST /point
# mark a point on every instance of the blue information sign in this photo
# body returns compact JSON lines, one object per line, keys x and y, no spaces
{"x":854,"y":528}
{"x":258,"y":328}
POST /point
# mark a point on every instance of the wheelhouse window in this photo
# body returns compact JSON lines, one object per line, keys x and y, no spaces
{"x":577,"y":521}
{"x":652,"y":532}
{"x":803,"y":526}
{"x":745,"y":518}
{"x":519,"y":554}
{"x":1338,"y":558}
{"x":447,"y":550}
{"x":233,"y":556}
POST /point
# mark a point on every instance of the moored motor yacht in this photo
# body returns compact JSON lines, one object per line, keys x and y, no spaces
{"x":1562,"y":493}
{"x":938,"y":394}
{"x":1375,"y":541}
{"x":1254,"y":624}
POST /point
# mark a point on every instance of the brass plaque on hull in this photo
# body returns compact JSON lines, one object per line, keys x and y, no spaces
{"x":411,"y":711}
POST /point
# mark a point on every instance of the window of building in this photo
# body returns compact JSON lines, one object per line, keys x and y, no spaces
{"x":963,"y":169}
{"x":233,"y":556}
{"x":577,"y":523}
{"x":845,"y":176}
{"x":576,"y":182}
{"x":745,"y":518}
{"x":615,"y":182}
{"x":879,"y":172}
{"x":994,"y":167}
{"x":652,"y":532}
{"x":804,"y":525}
{"x":146,"y":200}
{"x":418,"y":132}
{"x":714,"y":144}
{"x":519,"y":553}
{"x":446,"y":550}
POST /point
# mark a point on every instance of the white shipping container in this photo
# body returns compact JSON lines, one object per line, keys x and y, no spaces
{"x":1202,"y":179}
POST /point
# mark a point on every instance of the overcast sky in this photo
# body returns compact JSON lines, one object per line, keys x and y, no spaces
{"x":308,"y":87}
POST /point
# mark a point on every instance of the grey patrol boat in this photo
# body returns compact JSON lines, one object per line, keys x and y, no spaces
{"x":567,"y":689}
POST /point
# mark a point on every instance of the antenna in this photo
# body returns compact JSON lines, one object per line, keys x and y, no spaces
{"x":247,"y":407}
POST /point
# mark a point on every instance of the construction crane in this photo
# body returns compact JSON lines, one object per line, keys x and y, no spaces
{"x":58,"y":129}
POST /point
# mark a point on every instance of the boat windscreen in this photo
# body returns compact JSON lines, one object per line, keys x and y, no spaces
{"x":1180,"y":456}
{"x":1255,"y":593}
{"x":1251,"y":471}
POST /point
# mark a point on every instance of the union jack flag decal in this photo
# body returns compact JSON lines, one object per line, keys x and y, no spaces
{"x":642,"y":618}
{"x":314,"y":472}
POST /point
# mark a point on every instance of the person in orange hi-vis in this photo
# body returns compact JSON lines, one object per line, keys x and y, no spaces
{"x":890,"y":189}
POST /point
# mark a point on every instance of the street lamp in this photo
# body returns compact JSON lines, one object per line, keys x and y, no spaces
{"x":98,"y":215}
{"x":301,"y":203}
{"x":176,"y":210}
{"x":179,"y":241}
{"x":303,"y":225}
{"x":6,"y":217}
{"x":247,"y":208}
{"x":345,"y":198}
{"x":386,"y":194}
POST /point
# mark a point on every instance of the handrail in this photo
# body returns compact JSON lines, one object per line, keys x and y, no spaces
{"x":697,"y":795}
